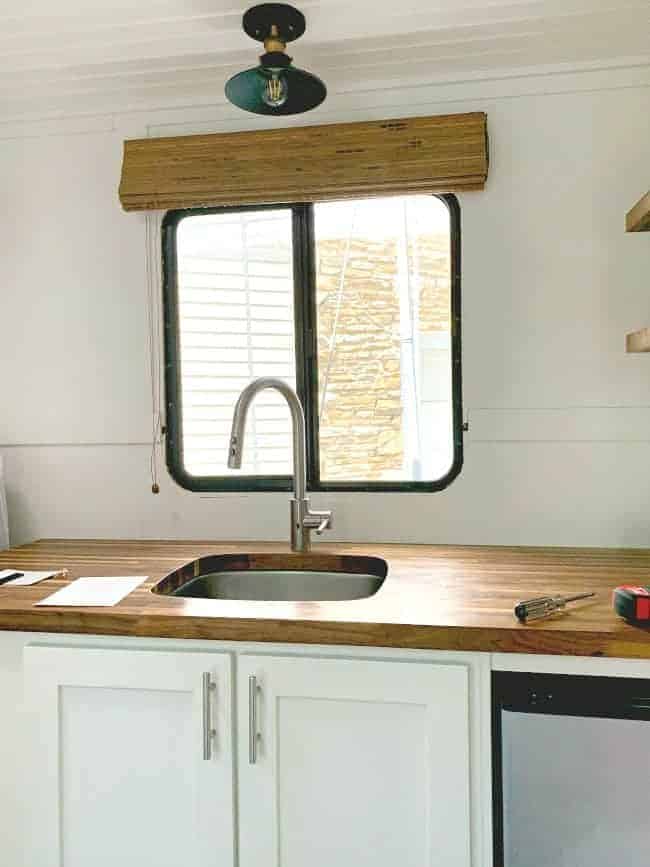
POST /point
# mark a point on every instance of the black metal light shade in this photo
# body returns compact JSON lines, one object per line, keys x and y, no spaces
{"x":275,"y":86}
{"x":248,"y":89}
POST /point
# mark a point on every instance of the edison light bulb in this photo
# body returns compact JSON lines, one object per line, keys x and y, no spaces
{"x":275,"y":91}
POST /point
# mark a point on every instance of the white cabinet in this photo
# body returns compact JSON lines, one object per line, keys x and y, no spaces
{"x":123,"y":770}
{"x":353,"y":763}
{"x":346,"y":762}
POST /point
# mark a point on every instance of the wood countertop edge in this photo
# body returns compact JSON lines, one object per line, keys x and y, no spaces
{"x":480,"y":639}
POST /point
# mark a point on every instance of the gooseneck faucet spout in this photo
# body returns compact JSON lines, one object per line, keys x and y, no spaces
{"x":303,"y":519}
{"x":298,"y":426}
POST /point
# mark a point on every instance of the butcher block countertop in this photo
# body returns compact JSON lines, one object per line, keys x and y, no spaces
{"x":435,"y":597}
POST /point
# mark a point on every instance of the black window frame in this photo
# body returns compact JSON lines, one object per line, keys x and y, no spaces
{"x":305,"y":329}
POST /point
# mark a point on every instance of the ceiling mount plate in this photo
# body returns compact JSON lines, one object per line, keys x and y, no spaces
{"x":259,"y":20}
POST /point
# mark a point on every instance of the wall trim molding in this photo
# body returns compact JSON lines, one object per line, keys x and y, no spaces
{"x":376,"y":102}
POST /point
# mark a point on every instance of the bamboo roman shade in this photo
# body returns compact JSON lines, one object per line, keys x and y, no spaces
{"x":446,"y":153}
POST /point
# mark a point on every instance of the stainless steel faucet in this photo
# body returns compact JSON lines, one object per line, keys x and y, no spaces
{"x":303,"y":519}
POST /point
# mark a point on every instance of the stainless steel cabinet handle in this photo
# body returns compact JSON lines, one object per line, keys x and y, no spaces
{"x":208,"y":731}
{"x":253,"y":732}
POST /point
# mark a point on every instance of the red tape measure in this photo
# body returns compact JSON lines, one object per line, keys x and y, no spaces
{"x":633,"y":602}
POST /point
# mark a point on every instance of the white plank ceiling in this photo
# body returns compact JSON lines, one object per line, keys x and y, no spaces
{"x":94,"y":56}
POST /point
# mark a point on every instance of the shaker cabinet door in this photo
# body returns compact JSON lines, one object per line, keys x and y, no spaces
{"x":352,"y":763}
{"x":130,"y":758}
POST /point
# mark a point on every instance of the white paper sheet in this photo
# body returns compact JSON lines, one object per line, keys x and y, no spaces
{"x":102,"y":591}
{"x":27,"y":577}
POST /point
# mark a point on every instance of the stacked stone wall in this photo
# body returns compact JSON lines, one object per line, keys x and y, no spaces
{"x":359,"y":356}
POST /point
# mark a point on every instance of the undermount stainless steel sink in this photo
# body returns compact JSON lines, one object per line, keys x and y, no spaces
{"x":277,"y":577}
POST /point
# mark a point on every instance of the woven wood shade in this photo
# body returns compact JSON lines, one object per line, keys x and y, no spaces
{"x":447,"y":153}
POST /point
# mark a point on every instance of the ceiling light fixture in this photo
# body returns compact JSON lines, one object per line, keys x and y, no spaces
{"x":275,"y":86}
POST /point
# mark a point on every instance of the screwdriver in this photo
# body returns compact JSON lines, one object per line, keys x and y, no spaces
{"x":534,"y":609}
{"x":11,"y":577}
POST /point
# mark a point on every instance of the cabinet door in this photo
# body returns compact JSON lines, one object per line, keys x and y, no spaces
{"x":123,"y":769}
{"x":355,"y":764}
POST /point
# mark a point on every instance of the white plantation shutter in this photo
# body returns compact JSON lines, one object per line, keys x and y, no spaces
{"x":235,"y":301}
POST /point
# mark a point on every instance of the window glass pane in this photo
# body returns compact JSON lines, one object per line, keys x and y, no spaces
{"x":384,"y":339}
{"x":235,"y":294}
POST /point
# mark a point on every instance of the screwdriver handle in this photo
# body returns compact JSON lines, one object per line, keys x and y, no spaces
{"x":535,"y":609}
{"x":543,"y":606}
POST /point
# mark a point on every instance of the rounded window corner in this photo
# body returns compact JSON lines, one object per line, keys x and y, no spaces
{"x":223,"y":484}
{"x":178,"y":473}
{"x":170,"y":220}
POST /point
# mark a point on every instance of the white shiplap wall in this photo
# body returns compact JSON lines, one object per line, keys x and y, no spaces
{"x":558,"y":448}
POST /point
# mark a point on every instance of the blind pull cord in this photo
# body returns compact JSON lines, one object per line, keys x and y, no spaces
{"x":153,"y":281}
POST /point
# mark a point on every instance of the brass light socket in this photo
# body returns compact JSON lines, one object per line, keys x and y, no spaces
{"x":274,"y":41}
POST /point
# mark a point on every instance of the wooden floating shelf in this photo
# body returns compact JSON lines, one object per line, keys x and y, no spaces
{"x":638,"y":220}
{"x":638,"y":341}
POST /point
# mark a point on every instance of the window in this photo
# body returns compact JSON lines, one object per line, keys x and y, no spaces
{"x":354,"y":303}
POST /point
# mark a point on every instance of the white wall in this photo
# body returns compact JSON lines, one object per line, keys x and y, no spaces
{"x":558,"y":450}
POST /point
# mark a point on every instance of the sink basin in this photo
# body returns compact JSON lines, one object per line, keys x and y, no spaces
{"x":277,"y":577}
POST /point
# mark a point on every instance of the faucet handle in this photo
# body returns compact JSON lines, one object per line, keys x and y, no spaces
{"x":318,"y":520}
{"x":325,"y":524}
